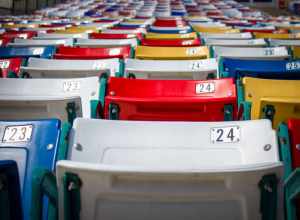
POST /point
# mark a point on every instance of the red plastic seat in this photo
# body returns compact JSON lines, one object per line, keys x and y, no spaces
{"x":8,"y":66}
{"x":170,"y":42}
{"x":86,"y":53}
{"x":4,"y":41}
{"x":115,"y":36}
{"x":170,"y":100}
{"x":18,"y":34}
{"x":169,"y":23}
{"x":294,"y":131}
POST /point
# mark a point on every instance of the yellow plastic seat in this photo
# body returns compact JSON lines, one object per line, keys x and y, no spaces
{"x":171,"y":53}
{"x":189,"y":36}
{"x":19,"y":25}
{"x":278,"y":100}
{"x":296,"y":51}
{"x":215,"y":29}
{"x":77,"y":30}
{"x":276,"y":36}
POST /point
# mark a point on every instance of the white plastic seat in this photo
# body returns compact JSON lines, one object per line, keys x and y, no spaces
{"x":170,"y":170}
{"x":179,"y":69}
{"x":56,"y":68}
{"x":231,"y":36}
{"x":61,"y":36}
{"x":252,"y":53}
{"x":236,"y":42}
{"x":18,"y":42}
{"x":106,"y":43}
{"x":44,"y":98}
{"x":279,"y":42}
{"x":123,"y":31}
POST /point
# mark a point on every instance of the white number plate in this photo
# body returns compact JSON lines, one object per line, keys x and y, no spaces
{"x":269,"y":52}
{"x":293,"y":65}
{"x":192,"y":51}
{"x":99,"y":66}
{"x":4,"y":64}
{"x":16,"y":134}
{"x":114,"y":51}
{"x":38,"y":51}
{"x":198,"y":65}
{"x":205,"y":88}
{"x":71,"y":86}
{"x":229,"y":134}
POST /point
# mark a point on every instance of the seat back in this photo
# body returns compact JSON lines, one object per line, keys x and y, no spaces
{"x":47,"y":98}
{"x":55,"y":68}
{"x":42,"y":42}
{"x":171,"y":43}
{"x":25,"y":52}
{"x":132,"y":42}
{"x":171,"y":53}
{"x":171,"y":69}
{"x":10,"y":67}
{"x":279,"y":69}
{"x":267,"y":53}
{"x":276,"y":36}
{"x":87,"y":53}
{"x":25,"y":143}
{"x":168,"y":170}
{"x":10,"y":196}
{"x":280,"y":42}
{"x":236,"y":42}
{"x":189,"y":36}
{"x":231,"y":36}
{"x":138,"y":99}
{"x":61,"y":35}
{"x":277,"y":100}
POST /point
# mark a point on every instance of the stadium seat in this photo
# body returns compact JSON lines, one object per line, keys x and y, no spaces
{"x":64,"y":99}
{"x":106,"y":42}
{"x":10,"y":195}
{"x":296,"y":52}
{"x":272,"y":69}
{"x":54,"y":68}
{"x":171,"y":69}
{"x":236,"y":42}
{"x":61,"y":35}
{"x":288,"y":138}
{"x":189,"y":36}
{"x":171,"y":53}
{"x":170,"y":30}
{"x":26,"y":52}
{"x":170,"y":43}
{"x":284,"y":42}
{"x":276,"y":36}
{"x":215,"y":29}
{"x":25,"y":143}
{"x":78,"y":30}
{"x":229,"y":36}
{"x":10,"y":68}
{"x":140,"y":99}
{"x":40,"y":43}
{"x":267,"y":53}
{"x":170,"y":170}
{"x":279,"y":102}
{"x":4,"y":41}
{"x":18,"y":34}
{"x":86,"y":53}
{"x":115,"y":36}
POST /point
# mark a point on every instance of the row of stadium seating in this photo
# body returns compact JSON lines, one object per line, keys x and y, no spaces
{"x":149,"y":110}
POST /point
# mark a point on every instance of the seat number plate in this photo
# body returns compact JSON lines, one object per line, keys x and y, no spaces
{"x":38,"y":51}
{"x":71,"y":86}
{"x":205,"y":88}
{"x":16,"y":134}
{"x":4,"y":64}
{"x":230,"y":134}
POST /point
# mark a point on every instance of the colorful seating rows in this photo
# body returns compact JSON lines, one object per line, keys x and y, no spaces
{"x":149,"y":110}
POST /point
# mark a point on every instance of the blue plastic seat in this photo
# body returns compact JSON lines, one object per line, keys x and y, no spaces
{"x":10,"y":198}
{"x":26,"y":52}
{"x":269,"y":69}
{"x":32,"y":145}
